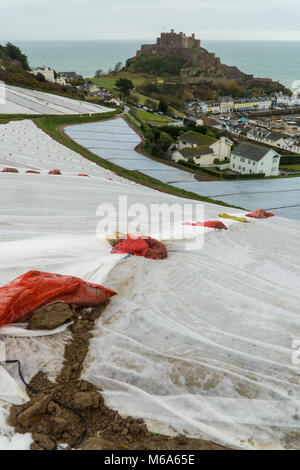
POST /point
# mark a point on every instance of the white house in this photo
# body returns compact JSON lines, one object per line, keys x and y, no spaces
{"x":49,"y":75}
{"x":47,"y":72}
{"x":278,"y":140}
{"x":249,"y":158}
{"x":202,"y":149}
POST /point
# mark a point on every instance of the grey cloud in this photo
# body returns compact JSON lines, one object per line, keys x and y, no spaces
{"x":135,"y":19}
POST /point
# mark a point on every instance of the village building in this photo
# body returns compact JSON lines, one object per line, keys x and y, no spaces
{"x":202,"y":150}
{"x":277,"y":139}
{"x":249,"y":158}
{"x":70,"y":76}
{"x":46,"y":71}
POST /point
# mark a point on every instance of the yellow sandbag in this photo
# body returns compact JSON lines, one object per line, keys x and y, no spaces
{"x":238,"y":219}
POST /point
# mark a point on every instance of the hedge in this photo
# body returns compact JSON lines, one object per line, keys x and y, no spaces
{"x":289,"y":160}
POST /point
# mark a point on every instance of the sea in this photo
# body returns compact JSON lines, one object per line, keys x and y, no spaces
{"x":279,"y":60}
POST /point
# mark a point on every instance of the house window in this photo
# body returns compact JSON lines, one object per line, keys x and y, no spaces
{"x":242,"y":159}
{"x":274,"y":169}
{"x":253,"y":163}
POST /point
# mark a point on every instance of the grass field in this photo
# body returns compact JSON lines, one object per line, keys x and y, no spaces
{"x":295,"y":166}
{"x":138,"y":79}
{"x":108,"y":81}
{"x":149,"y":118}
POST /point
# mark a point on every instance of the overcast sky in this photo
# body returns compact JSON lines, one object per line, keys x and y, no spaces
{"x":145,"y":19}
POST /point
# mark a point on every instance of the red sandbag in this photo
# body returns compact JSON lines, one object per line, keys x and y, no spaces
{"x":55,"y":172}
{"x":33,"y":172}
{"x":9,"y":170}
{"x":35,"y":289}
{"x":209,"y":223}
{"x":82,"y":174}
{"x":260,"y":214}
{"x":138,"y":246}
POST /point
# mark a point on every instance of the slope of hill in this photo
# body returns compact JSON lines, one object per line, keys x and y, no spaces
{"x":191,"y":72}
{"x":14,"y":70}
{"x":24,"y":101}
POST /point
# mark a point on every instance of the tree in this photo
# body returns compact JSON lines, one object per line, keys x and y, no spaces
{"x":163,"y":106}
{"x":40,"y":77}
{"x":118,"y":67}
{"x":165,"y":141}
{"x":98,"y":73}
{"x":124,"y":86}
{"x":15,"y":53}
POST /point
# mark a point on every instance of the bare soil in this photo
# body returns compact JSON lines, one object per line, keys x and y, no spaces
{"x":52,"y":424}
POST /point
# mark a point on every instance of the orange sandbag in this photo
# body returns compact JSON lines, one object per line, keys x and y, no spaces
{"x":9,"y":170}
{"x":209,"y":223}
{"x":260,"y":214}
{"x":147,"y":247}
{"x":35,"y":289}
{"x":55,"y":172}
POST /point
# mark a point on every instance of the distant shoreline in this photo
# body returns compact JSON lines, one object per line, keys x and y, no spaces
{"x":259,"y":58}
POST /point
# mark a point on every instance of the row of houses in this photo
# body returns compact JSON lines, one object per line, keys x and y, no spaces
{"x":266,"y":136}
{"x":227,"y":104}
{"x":66,"y":79}
{"x":62,"y":78}
{"x":205,"y":151}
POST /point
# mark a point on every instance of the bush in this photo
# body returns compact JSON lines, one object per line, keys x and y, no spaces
{"x":289,"y":160}
{"x":163,"y":106}
{"x":40,"y":77}
{"x":14,"y":53}
{"x":165,"y":141}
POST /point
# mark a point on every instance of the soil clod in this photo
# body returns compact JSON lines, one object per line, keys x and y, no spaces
{"x":51,"y":317}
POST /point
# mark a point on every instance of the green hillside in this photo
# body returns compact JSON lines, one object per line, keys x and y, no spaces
{"x":14,"y":70}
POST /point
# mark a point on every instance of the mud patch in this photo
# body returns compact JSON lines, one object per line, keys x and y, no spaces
{"x":51,"y":317}
{"x":52,"y":424}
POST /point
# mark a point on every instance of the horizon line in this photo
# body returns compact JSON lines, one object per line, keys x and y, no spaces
{"x":144,"y":39}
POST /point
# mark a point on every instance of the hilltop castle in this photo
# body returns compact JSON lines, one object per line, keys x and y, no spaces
{"x":188,"y":47}
{"x":168,"y":41}
{"x":173,"y":44}
{"x":201,"y":65}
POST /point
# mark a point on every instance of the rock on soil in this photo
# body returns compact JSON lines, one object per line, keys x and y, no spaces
{"x":51,"y":317}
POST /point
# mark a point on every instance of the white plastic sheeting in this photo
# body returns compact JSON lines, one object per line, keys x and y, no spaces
{"x":202,"y":342}
{"x":199,"y":343}
{"x":23,"y":101}
{"x":116,"y":141}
